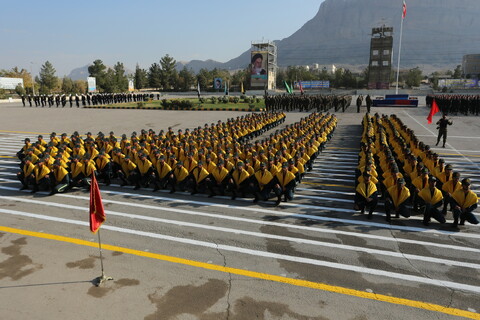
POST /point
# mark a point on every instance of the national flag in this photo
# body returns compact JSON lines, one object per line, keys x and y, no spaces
{"x":301,"y":87}
{"x":404,"y":10}
{"x":97,"y":213}
{"x":434,"y":109}
{"x":287,"y":87}
{"x":198,"y":89}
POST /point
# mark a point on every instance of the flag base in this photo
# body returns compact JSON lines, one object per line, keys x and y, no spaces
{"x":99,"y":280}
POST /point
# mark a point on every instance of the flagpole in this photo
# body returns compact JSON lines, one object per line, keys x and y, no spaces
{"x":399,"y":51}
{"x":99,"y":280}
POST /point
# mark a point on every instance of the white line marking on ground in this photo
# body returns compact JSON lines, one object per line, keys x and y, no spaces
{"x":364,"y":270}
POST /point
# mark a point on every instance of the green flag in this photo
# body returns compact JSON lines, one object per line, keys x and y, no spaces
{"x":287,"y":87}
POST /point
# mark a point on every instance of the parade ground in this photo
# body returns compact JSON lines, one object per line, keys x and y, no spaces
{"x":182,"y":256}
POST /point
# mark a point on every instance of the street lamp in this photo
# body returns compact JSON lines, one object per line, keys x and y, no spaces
{"x":33,"y":81}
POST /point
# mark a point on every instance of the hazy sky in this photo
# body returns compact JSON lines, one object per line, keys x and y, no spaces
{"x":72,"y":34}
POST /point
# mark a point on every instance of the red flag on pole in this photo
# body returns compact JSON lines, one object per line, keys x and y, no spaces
{"x":301,"y":87}
{"x":97,"y":213}
{"x":404,"y":10}
{"x":434,"y":109}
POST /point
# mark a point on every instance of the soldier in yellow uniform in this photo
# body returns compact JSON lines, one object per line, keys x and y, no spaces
{"x":144,"y":171}
{"x":284,"y":184}
{"x":239,"y":181}
{"x":42,"y":176}
{"x":198,"y":182}
{"x":127,"y":173}
{"x":366,"y":195}
{"x":162,"y":173}
{"x":397,"y":199}
{"x":219,"y":180}
{"x":25,"y":175}
{"x":448,"y":189}
{"x":262,"y":183}
{"x":178,"y":178}
{"x":465,"y":201}
{"x":104,"y":167}
{"x":60,"y":178}
{"x":432,"y":199}
{"x":418,"y":184}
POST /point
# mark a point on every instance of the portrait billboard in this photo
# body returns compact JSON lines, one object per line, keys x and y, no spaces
{"x":92,"y":84}
{"x":217,"y":83}
{"x":130,"y":85}
{"x":259,"y":68}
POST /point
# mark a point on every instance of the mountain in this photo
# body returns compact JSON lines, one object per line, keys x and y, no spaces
{"x":436,"y":34}
{"x":79,"y":73}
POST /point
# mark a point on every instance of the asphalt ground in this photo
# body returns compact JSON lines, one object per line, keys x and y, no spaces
{"x":191,"y":257}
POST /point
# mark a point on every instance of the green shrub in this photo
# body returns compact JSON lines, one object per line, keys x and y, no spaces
{"x":213,"y":100}
{"x":140,"y":104}
{"x":166,"y":103}
{"x":236,"y":99}
{"x":201,"y":100}
{"x":242,"y":97}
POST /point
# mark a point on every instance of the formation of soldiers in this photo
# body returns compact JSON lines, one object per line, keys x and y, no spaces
{"x":78,"y":100}
{"x":395,"y":165}
{"x":456,"y":104}
{"x":215,"y":159}
{"x":318,"y":103}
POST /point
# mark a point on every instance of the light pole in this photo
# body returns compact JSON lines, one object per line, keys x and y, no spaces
{"x":33,"y":81}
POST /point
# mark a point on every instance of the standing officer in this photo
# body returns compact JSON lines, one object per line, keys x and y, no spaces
{"x":359,"y":103}
{"x":368,"y":100}
{"x":442,"y":129}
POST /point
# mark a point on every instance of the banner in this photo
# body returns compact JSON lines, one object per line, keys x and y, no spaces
{"x":458,"y":83}
{"x":131,"y":87}
{"x":92,"y":84}
{"x":312,"y":84}
{"x":259,"y":68}
{"x":10,"y":83}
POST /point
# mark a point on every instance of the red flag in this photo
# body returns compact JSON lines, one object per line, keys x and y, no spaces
{"x":433,"y":110}
{"x":301,"y":87}
{"x":404,"y":10}
{"x":97,"y":213}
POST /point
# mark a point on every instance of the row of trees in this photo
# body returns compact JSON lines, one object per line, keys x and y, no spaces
{"x":165,"y":77}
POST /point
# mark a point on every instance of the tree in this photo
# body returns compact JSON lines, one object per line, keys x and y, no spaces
{"x":154,"y":80}
{"x":79,"y":86}
{"x":98,"y":70}
{"x":434,"y":79}
{"x":140,"y":78}
{"x":48,"y":80}
{"x":186,"y":79}
{"x":202,"y":78}
{"x":110,"y":84}
{"x":120,"y":79}
{"x":168,"y":73}
{"x":414,"y":77}
{"x":67,"y":85}
{"x":457,"y":73}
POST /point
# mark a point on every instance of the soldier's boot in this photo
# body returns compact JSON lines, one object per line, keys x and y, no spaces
{"x":279,"y":199}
